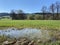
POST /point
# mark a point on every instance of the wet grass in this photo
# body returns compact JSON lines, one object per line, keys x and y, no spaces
{"x":4,"y":38}
{"x":41,"y":24}
{"x":50,"y":43}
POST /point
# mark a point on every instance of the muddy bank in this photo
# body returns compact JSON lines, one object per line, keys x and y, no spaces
{"x":25,"y":41}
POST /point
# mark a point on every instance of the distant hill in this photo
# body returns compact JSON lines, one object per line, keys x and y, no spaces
{"x":4,"y":14}
{"x":7,"y":14}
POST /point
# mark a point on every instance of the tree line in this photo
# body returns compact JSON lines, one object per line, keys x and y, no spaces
{"x":50,"y":13}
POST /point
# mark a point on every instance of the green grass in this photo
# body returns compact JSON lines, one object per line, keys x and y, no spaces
{"x":41,"y":24}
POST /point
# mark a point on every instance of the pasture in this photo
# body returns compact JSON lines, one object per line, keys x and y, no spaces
{"x":41,"y":24}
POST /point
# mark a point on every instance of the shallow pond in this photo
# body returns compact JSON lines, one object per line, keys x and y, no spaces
{"x":26,"y":32}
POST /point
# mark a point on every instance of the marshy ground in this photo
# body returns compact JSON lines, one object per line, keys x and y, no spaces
{"x":36,"y":32}
{"x":28,"y":36}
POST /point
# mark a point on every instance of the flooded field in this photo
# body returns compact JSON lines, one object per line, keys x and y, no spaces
{"x":26,"y":32}
{"x":31,"y":34}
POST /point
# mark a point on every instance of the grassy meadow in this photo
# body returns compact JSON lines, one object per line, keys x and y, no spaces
{"x":41,"y":24}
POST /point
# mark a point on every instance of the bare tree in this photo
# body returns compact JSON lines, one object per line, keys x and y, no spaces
{"x":44,"y":11}
{"x":52,"y":9}
{"x":57,"y":9}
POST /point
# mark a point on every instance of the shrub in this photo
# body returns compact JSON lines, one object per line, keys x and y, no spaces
{"x":37,"y":17}
{"x":30,"y":17}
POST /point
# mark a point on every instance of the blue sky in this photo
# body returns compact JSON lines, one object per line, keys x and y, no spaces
{"x":28,"y":6}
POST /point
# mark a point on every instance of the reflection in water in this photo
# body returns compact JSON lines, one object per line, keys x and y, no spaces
{"x":27,"y":32}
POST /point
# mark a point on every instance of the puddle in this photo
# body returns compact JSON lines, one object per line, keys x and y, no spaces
{"x":26,"y":32}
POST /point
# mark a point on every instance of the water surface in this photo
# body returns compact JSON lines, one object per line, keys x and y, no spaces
{"x":26,"y":32}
